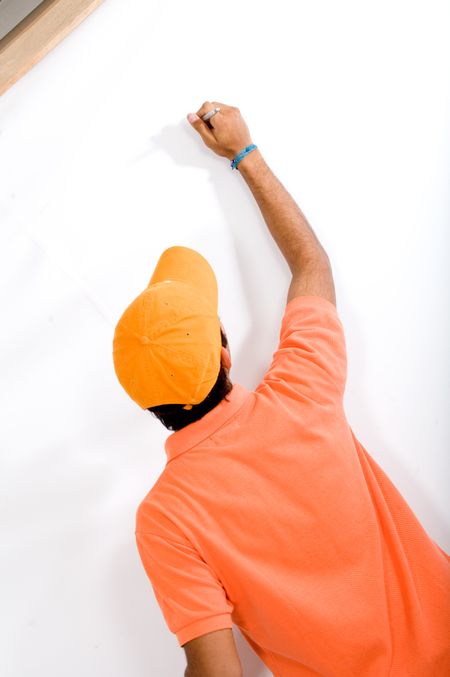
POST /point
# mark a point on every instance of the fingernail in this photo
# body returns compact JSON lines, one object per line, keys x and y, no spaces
{"x":192,"y":117}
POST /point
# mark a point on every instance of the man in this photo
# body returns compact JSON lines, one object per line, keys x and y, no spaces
{"x":269,"y":512}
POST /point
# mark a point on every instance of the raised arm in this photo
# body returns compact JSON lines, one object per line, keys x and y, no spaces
{"x":213,"y":655}
{"x":307,"y":259}
{"x":309,"y":263}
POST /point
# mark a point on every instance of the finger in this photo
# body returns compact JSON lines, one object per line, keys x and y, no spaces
{"x":205,"y":132}
{"x":223,"y":109}
{"x":210,"y":105}
{"x":212,"y":121}
{"x":205,"y":108}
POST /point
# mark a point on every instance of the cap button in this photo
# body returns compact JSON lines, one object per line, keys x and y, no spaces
{"x":145,"y":340}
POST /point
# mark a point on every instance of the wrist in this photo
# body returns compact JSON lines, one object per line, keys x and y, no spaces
{"x":240,"y":155}
{"x":237,"y":149}
{"x":251,"y":162}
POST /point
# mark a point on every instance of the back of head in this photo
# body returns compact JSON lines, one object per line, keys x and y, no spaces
{"x":174,"y":416}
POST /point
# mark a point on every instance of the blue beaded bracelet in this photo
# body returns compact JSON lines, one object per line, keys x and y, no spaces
{"x":241,"y":155}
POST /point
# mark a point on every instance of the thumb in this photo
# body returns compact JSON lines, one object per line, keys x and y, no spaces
{"x":193,"y":117}
{"x":202,"y":128}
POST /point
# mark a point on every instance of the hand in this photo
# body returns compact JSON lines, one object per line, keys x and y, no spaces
{"x":226,"y":133}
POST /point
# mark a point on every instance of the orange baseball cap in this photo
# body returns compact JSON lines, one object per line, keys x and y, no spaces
{"x":167,"y":343}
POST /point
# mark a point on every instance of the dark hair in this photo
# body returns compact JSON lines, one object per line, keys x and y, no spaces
{"x":174,"y":417}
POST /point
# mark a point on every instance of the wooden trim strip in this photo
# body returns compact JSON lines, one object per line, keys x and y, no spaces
{"x":37,"y":34}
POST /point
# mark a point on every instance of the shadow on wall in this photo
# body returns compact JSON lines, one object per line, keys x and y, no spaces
{"x":186,"y":148}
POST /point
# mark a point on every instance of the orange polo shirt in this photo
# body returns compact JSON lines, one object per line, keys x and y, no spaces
{"x":270,"y":514}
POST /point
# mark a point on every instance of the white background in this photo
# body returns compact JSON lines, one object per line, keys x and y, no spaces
{"x":100,"y":172}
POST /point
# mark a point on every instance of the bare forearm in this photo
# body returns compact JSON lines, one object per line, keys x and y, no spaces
{"x":284,"y":218}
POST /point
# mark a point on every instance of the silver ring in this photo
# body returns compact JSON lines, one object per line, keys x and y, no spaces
{"x":209,"y":115}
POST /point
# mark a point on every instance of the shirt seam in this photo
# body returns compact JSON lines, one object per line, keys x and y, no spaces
{"x":194,"y":547}
{"x":312,"y":296}
{"x":207,"y":436}
{"x":202,"y":620}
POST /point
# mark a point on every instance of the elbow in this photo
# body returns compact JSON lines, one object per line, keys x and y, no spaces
{"x":317,"y":258}
{"x":312,"y":260}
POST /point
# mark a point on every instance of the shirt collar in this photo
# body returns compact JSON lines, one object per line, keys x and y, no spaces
{"x":187,"y":437}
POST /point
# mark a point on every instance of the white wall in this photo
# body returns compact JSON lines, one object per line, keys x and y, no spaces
{"x":349,"y":104}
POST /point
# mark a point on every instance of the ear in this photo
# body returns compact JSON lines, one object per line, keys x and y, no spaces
{"x":225,"y":358}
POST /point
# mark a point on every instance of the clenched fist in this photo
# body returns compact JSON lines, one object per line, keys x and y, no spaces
{"x":226,"y":133}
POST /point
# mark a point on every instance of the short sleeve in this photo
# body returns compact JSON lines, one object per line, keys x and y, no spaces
{"x":311,"y":357}
{"x":191,"y":598}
